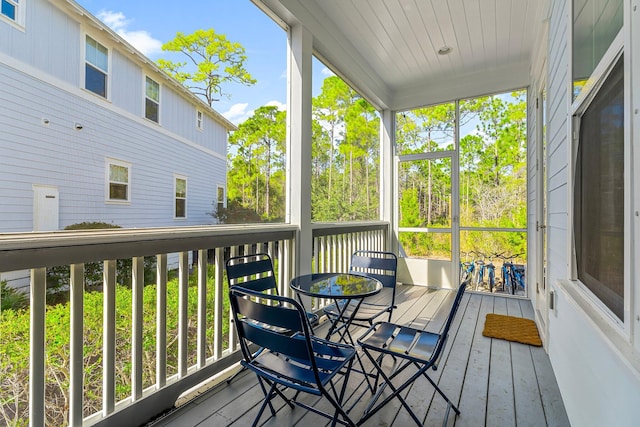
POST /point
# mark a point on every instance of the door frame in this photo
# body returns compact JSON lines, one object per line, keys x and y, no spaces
{"x":542,"y":157}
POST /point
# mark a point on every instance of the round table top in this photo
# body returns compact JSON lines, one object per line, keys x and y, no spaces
{"x":336,"y":285}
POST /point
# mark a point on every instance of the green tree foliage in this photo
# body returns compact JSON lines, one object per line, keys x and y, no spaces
{"x":345,"y":150}
{"x":492,"y":157}
{"x":212,"y":61}
{"x":345,"y":178}
{"x":256,"y":178}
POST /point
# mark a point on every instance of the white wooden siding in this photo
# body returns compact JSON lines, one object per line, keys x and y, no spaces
{"x":126,"y":80}
{"x":50,"y":41}
{"x":58,"y":154}
{"x":41,"y":79}
{"x":557,"y":144}
{"x":596,"y":373}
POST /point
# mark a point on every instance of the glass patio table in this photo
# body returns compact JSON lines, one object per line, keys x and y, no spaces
{"x":341,"y":288}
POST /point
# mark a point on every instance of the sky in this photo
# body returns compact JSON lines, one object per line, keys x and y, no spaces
{"x":147,"y":25}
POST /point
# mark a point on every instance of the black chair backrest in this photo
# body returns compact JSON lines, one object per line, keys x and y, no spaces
{"x":253,"y":272}
{"x":452,"y":314}
{"x":379,"y":265}
{"x":258,"y":317}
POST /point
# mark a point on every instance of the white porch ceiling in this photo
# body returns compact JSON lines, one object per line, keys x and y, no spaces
{"x":388,"y":49}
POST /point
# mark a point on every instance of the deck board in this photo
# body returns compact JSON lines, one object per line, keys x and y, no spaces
{"x":494,"y":382}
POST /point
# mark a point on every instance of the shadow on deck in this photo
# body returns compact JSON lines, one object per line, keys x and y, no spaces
{"x":493,"y":382}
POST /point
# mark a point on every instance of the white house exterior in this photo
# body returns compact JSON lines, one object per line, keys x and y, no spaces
{"x":594,"y":346}
{"x":91,"y":130}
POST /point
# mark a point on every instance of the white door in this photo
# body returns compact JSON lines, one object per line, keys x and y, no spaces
{"x":542,"y":305}
{"x":45,"y":208}
{"x":427,"y":209}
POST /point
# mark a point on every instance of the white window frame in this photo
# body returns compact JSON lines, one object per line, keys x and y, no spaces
{"x":223,"y":202}
{"x":20,"y":7}
{"x":146,"y":97}
{"x":199,"y":120}
{"x":176,"y":177}
{"x":580,"y":104}
{"x":84,"y":63}
{"x":108,"y":163}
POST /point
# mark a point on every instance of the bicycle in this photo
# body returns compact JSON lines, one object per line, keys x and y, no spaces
{"x":466,"y":268}
{"x":491,"y":273}
{"x":480,"y":273}
{"x":488,"y":269}
{"x":512,"y":274}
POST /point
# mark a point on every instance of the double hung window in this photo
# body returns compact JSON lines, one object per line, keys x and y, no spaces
{"x":221,"y":199}
{"x":11,"y":9}
{"x":180,"y":191}
{"x":599,"y":148}
{"x":118,"y":181}
{"x":199,"y":119}
{"x":152,"y":99}
{"x":96,"y":67}
{"x":599,"y":193}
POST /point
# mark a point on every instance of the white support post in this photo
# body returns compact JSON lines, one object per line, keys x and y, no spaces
{"x":299,"y":144}
{"x":201,"y":358}
{"x":232,"y":329}
{"x":37,"y":345}
{"x":387,"y":178}
{"x":218,"y":309}
{"x":161,"y":320}
{"x":183,"y":313}
{"x":109,"y":338}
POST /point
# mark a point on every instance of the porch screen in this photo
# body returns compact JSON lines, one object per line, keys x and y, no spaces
{"x":599,"y":194}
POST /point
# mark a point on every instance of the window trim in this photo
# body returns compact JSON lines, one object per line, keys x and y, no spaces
{"x":146,"y":97}
{"x":199,"y":119}
{"x":176,"y":177}
{"x":224,"y":196}
{"x":121,"y":163}
{"x":84,"y":63}
{"x":578,"y":107}
{"x":20,"y":8}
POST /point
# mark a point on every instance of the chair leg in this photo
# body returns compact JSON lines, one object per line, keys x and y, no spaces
{"x":444,"y":396}
{"x":268,"y":395}
{"x":422,"y":371}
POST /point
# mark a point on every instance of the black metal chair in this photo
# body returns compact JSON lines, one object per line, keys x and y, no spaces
{"x":381,"y":266}
{"x":298,"y":361}
{"x":255,"y":272}
{"x":408,"y":347}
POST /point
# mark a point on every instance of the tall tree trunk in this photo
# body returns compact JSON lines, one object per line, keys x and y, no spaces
{"x":429,"y":195}
{"x":351,"y":176}
{"x":268,"y":181}
{"x":366,"y":176}
{"x":331,"y":162}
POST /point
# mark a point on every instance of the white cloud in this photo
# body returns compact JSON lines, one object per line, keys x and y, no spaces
{"x":274,"y":103}
{"x":238,"y":113}
{"x":327,"y":72}
{"x":140,"y":39}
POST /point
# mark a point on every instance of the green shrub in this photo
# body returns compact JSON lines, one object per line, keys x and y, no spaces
{"x":14,"y":347}
{"x":58,"y":279}
{"x":11,"y":299}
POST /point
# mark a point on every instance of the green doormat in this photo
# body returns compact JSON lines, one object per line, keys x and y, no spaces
{"x":512,"y":328}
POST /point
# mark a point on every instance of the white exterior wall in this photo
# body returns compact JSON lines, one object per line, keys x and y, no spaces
{"x":40,"y":74}
{"x":596,"y":361}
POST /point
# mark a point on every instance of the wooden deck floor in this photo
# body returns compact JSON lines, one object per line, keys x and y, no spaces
{"x":493,"y":382}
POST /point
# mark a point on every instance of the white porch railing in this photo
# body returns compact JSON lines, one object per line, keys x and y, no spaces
{"x":201,"y":354}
